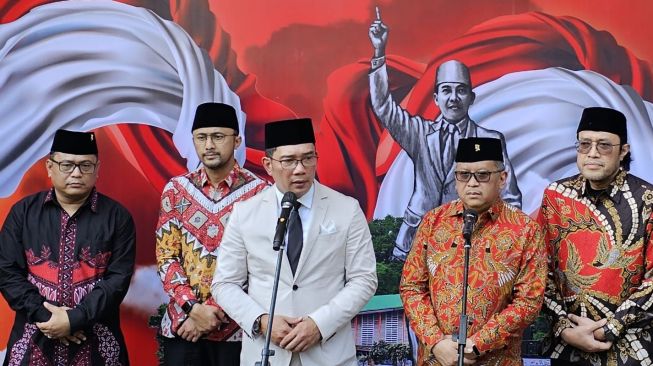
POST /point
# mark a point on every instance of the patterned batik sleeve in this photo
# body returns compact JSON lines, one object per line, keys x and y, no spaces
{"x":415,"y":292}
{"x":528,"y":292}
{"x":553,"y":301}
{"x":169,"y":253}
{"x":637,"y":310}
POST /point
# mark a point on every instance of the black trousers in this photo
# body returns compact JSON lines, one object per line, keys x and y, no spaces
{"x":179,"y":352}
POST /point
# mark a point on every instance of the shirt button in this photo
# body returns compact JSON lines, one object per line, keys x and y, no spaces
{"x":295,"y":287}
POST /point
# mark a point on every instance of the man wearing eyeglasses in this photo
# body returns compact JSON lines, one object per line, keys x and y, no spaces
{"x":195,"y":208}
{"x":430,"y":144}
{"x":507,"y":268}
{"x":598,"y":228}
{"x":328,"y":272}
{"x":66,"y":259}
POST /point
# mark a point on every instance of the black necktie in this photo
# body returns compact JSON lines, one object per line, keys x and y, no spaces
{"x":448,"y":146}
{"x":295,"y":237}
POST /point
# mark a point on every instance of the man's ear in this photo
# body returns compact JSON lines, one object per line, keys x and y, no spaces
{"x":625,"y":149}
{"x":267,"y":164}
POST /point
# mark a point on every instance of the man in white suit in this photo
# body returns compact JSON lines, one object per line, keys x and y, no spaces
{"x":327,"y":276}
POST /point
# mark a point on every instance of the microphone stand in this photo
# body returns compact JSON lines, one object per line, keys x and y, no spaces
{"x":267,"y":352}
{"x":464,"y":320}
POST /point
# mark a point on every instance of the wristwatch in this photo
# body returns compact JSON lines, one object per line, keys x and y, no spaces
{"x":256,"y":328}
{"x":188,"y":306}
{"x":476,"y":351}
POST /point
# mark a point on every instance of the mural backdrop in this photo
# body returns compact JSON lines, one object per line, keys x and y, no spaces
{"x":134,"y":71}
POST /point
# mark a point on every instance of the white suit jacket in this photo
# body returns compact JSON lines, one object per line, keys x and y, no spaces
{"x":335,"y":277}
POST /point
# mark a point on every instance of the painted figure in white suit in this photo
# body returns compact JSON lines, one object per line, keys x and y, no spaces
{"x":331,"y":278}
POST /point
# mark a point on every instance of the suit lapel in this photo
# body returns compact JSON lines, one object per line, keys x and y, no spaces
{"x":320,"y":204}
{"x":470,"y":132}
{"x":433,"y":143}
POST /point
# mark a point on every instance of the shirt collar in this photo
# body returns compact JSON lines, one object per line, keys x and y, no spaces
{"x":461,"y":125}
{"x":306,"y":200}
{"x":51,"y":198}
{"x":614,"y":187}
{"x":229,"y":180}
{"x":492,"y":213}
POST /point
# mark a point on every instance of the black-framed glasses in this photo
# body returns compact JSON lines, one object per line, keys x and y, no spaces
{"x":584,"y":146}
{"x":86,"y":167}
{"x":290,"y":164}
{"x":481,"y":177}
{"x":216,"y":138}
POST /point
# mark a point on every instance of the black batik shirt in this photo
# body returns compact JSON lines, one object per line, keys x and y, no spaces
{"x":84,"y":261}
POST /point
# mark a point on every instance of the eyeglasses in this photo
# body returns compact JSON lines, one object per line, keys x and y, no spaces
{"x":481,"y":177}
{"x":290,"y":164}
{"x":86,"y":167}
{"x":216,"y":138}
{"x":603,"y":148}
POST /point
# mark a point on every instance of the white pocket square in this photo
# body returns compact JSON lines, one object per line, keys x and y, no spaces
{"x":327,"y":227}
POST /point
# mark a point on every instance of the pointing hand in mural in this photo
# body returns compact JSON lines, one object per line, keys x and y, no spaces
{"x":378,"y":35}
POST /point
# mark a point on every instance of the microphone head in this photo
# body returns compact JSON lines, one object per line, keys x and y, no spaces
{"x":470,"y":214}
{"x":288,"y":200}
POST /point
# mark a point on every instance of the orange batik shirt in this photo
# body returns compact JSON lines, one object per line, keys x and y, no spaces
{"x":507,"y":273}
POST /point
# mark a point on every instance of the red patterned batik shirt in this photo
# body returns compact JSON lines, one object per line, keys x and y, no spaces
{"x":601,"y":265}
{"x":192,"y":219}
{"x":507,"y":273}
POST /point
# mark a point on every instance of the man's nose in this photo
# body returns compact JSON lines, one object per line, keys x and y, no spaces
{"x":77,"y":171}
{"x":472,"y":181}
{"x":299,"y":169}
{"x":209,"y":144}
{"x":594,"y":150}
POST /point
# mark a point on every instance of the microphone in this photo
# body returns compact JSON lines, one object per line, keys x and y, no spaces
{"x":287,"y":203}
{"x":469,"y":219}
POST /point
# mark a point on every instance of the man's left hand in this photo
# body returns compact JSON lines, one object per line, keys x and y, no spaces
{"x":59,"y":325}
{"x":599,"y":334}
{"x":581,"y":335}
{"x":304,"y":335}
{"x":469,"y":350}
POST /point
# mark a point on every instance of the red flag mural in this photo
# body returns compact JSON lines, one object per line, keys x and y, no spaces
{"x":134,"y":71}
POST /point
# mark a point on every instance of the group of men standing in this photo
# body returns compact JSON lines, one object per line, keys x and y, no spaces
{"x":67,"y":257}
{"x":67,"y":254}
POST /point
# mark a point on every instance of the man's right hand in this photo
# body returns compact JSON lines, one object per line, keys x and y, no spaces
{"x":206,"y":317}
{"x":379,"y":37}
{"x":581,"y":335}
{"x":188,"y":331}
{"x":281,"y":326}
{"x":446,"y":353}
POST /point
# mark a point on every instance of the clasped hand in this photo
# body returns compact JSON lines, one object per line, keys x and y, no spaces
{"x":586,"y":334}
{"x":201,"y":320}
{"x":58,"y":326}
{"x":295,"y":334}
